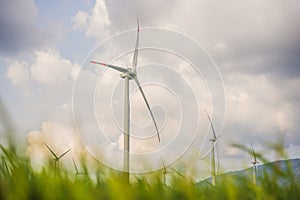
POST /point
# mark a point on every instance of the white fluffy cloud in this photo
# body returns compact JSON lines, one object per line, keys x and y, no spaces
{"x":46,"y":84}
{"x":258,"y":110}
{"x":94,"y":22}
{"x":47,"y":68}
{"x":50,"y":68}
{"x":18,"y":73}
{"x":80,"y":20}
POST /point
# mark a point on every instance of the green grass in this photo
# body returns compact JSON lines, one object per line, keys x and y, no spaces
{"x":19,"y":181}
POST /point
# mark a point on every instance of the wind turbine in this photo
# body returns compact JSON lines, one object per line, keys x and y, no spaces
{"x":128,"y":74}
{"x":254,"y":163}
{"x":56,"y":158}
{"x":76,"y":169}
{"x":165,"y":172}
{"x":213,"y":141}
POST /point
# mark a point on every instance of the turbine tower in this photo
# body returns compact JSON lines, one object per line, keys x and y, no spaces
{"x":56,"y":158}
{"x":128,"y":74}
{"x":254,"y":164}
{"x":213,"y":141}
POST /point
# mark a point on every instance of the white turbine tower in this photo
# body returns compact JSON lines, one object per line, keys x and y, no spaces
{"x":254,"y":164}
{"x":213,"y":141}
{"x":129,"y":74}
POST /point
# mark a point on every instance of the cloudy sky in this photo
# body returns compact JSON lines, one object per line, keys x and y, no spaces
{"x":248,"y":61}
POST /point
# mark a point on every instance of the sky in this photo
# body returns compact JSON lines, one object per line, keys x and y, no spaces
{"x":239,"y":60}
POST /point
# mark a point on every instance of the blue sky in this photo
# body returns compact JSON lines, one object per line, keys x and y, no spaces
{"x":254,"y":44}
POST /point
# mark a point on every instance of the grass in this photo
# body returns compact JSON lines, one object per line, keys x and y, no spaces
{"x":19,"y":181}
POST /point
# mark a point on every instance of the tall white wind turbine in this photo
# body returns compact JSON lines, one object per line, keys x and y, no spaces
{"x":128,"y":74}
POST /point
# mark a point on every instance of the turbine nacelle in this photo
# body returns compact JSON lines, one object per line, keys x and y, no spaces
{"x":255,"y":162}
{"x":130,"y":74}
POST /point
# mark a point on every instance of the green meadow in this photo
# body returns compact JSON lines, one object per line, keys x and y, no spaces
{"x":18,"y":180}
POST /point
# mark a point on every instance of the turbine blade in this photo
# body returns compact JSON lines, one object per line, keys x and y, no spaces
{"x":135,"y":55}
{"x":52,"y":152}
{"x":211,"y":124}
{"x":203,"y":157}
{"x":64,"y":154}
{"x":179,"y":173}
{"x":76,"y":169}
{"x":120,"y":69}
{"x":145,"y":99}
{"x":255,"y":161}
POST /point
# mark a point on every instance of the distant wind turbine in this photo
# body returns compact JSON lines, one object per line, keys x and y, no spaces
{"x":213,"y":141}
{"x":165,"y":172}
{"x":129,"y":74}
{"x":254,"y":164}
{"x":56,"y":158}
{"x":76,"y":169}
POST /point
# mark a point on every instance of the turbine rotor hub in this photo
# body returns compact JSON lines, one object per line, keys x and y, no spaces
{"x":124,"y":75}
{"x":129,"y":74}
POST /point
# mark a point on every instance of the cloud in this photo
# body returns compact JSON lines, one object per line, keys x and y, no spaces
{"x":251,"y":37}
{"x":256,"y":46}
{"x":150,"y":13}
{"x":46,"y":88}
{"x":80,"y":20}
{"x":94,"y":22}
{"x":50,"y":69}
{"x":108,"y":17}
{"x":258,"y":108}
{"x":47,"y":68}
{"x":18,"y":73}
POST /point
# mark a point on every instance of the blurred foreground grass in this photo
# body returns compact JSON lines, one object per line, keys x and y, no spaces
{"x":19,"y":181}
